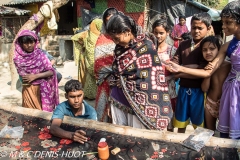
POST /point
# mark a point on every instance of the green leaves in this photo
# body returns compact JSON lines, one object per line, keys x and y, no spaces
{"x":210,"y":3}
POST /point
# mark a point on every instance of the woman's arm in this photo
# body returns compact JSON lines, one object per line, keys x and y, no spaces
{"x":31,"y":77}
{"x":185,"y":75}
{"x":204,"y":73}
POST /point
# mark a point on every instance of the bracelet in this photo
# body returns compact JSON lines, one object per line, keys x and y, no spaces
{"x":26,"y":84}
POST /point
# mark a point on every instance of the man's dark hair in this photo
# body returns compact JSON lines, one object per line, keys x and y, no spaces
{"x":26,"y":39}
{"x":72,"y":86}
{"x":203,"y":17}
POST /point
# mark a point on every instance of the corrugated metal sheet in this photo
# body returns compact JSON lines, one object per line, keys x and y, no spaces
{"x":12,"y":11}
{"x":12,"y":2}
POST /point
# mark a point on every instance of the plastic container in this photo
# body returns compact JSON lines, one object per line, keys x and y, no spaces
{"x":103,"y":150}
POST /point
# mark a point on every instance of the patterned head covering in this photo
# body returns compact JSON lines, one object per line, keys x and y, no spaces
{"x":34,"y":63}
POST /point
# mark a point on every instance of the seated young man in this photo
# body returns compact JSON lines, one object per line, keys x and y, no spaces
{"x":76,"y":107}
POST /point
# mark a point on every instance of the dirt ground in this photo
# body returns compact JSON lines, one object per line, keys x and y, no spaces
{"x":14,"y":97}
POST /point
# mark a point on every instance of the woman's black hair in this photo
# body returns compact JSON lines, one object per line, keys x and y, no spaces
{"x":182,"y":17}
{"x":72,"y":86}
{"x":121,"y":23}
{"x":203,"y":17}
{"x":232,"y":10}
{"x":26,"y":39}
{"x":163,"y":23}
{"x":211,"y":39}
{"x":186,"y":36}
{"x":107,"y":13}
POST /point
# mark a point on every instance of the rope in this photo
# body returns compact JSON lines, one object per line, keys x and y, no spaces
{"x":148,"y":9}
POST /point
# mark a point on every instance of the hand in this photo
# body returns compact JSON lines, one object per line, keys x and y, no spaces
{"x":29,"y":78}
{"x":178,"y":38}
{"x":164,"y":58}
{"x":53,"y":62}
{"x":119,"y":85}
{"x":79,"y":136}
{"x":209,"y":66}
{"x":109,"y":112}
{"x":173,"y":67}
{"x":80,"y":41}
{"x":169,"y":77}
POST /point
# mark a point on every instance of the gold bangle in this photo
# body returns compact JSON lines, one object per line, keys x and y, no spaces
{"x":26,"y":84}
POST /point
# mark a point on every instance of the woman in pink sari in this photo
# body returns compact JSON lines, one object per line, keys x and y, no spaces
{"x":103,"y":68}
{"x":40,"y":87}
{"x":178,"y":30}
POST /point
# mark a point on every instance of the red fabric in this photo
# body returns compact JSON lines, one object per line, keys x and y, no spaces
{"x":138,"y":17}
{"x":176,"y":43}
{"x":82,"y":3}
{"x":102,"y":68}
{"x":178,"y":30}
{"x":119,"y":4}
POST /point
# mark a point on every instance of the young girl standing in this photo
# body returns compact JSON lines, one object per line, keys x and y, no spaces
{"x":161,"y":31}
{"x":213,"y":85}
{"x":229,"y":111}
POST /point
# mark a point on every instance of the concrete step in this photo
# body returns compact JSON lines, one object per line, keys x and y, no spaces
{"x":53,"y":47}
{"x":50,"y":43}
{"x":54,"y":53}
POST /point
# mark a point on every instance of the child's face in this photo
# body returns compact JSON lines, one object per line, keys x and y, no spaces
{"x":182,"y":21}
{"x":75,"y":98}
{"x":229,"y":26}
{"x":198,"y":30}
{"x":28,"y":46}
{"x":209,"y":51}
{"x":160,"y":33}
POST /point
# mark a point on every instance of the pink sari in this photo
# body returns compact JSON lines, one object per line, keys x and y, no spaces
{"x":34,"y":63}
{"x":178,"y":30}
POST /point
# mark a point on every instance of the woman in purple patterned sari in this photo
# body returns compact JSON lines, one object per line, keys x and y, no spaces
{"x":139,"y":95}
{"x":40,"y":87}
